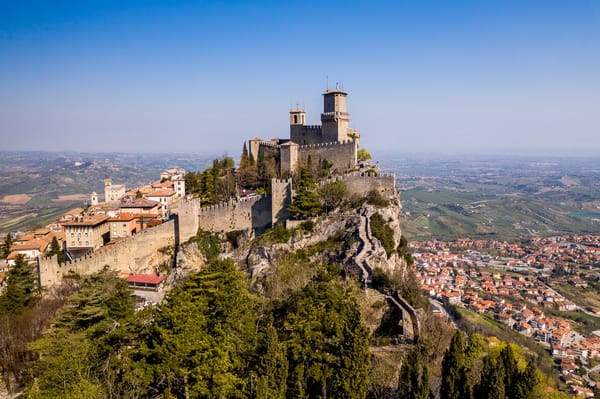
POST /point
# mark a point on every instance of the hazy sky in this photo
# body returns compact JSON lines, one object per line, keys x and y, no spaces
{"x":200,"y":76}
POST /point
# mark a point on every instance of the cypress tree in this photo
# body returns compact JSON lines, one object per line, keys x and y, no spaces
{"x":452,"y":366}
{"x":414,"y":375}
{"x":511,"y":370}
{"x":491,"y":385}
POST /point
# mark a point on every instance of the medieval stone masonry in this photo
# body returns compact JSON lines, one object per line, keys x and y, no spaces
{"x":333,"y":140}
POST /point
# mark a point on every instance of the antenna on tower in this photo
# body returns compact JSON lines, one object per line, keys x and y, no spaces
{"x":326,"y":82}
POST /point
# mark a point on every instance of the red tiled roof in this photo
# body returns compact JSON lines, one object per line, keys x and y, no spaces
{"x":145,"y":279}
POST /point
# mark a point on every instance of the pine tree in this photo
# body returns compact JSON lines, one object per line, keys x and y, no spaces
{"x":273,"y":367}
{"x":5,"y":246}
{"x":55,"y":249}
{"x":21,"y":289}
{"x":306,"y":203}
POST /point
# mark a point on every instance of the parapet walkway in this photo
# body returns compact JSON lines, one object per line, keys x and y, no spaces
{"x":410,"y":322}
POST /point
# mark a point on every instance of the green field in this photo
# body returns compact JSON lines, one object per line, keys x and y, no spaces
{"x":449,"y":214}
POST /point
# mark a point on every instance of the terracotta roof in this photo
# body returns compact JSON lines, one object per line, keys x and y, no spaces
{"x":145,"y":278}
{"x":161,"y":193}
{"x":138,"y":203}
{"x":124,"y":216}
{"x":40,"y":245}
{"x":73,"y":212}
{"x":94,"y":220}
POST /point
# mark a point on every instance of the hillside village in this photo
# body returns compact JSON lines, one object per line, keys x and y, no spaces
{"x":513,"y":284}
{"x":122,"y":213}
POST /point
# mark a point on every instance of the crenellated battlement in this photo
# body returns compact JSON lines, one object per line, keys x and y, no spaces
{"x":228,"y":204}
{"x":268,"y":144}
{"x":281,"y":181}
{"x":361,"y":183}
{"x":329,"y":144}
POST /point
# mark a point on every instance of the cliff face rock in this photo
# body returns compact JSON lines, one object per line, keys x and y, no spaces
{"x":362,"y":251}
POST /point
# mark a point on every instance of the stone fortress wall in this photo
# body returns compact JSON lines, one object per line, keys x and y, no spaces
{"x":130,"y":255}
{"x":134,"y":254}
{"x":341,"y":154}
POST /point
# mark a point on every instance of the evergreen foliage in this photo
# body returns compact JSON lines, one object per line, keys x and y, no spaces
{"x":5,"y":246}
{"x":76,"y":360}
{"x":383,"y":232}
{"x":306,"y":203}
{"x":215,"y":184}
{"x":55,"y":249}
{"x":414,"y":374}
{"x":21,"y":289}
{"x":327,"y":343}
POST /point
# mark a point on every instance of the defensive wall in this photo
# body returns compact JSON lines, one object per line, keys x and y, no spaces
{"x":362,"y":183}
{"x":244,"y":214}
{"x":342,"y":154}
{"x":306,"y":134}
{"x":130,"y":255}
{"x":135,"y":254}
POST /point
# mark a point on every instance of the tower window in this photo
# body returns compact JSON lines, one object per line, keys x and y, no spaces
{"x":295,"y":118}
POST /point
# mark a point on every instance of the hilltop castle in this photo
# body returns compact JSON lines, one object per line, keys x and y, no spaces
{"x":333,"y":140}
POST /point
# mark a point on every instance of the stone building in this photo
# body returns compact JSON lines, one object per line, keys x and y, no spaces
{"x":87,"y":232}
{"x":333,"y":140}
{"x":113,"y":192}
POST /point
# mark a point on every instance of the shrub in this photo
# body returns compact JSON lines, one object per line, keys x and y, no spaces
{"x":383,"y":232}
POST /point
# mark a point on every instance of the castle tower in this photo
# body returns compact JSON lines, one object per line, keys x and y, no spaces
{"x":297,"y":117}
{"x":335,"y":118}
{"x":94,"y":199}
{"x":288,"y":158}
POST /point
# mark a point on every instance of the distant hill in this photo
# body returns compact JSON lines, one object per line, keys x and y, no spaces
{"x":496,"y":197}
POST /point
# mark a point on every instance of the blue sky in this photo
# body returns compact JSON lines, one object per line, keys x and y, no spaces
{"x":154,"y":76}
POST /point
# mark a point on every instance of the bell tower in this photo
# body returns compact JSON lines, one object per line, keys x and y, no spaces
{"x":335,"y":118}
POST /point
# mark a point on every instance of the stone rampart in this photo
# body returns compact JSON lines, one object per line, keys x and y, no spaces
{"x":362,"y":183}
{"x":130,"y":255}
{"x":341,"y":154}
{"x":281,"y":198}
{"x":244,"y":214}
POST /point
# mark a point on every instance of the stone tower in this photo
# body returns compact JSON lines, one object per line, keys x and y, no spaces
{"x":335,"y":117}
{"x":94,"y":199}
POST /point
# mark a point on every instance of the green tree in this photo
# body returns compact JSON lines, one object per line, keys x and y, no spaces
{"x":491,"y":385}
{"x":332,"y":194}
{"x":511,"y":370}
{"x":21,"y":289}
{"x":306,"y":202}
{"x":55,"y":249}
{"x":203,"y":337}
{"x":528,"y":382}
{"x":414,"y":375}
{"x":453,"y":366}
{"x":5,"y":246}
{"x":363,"y":155}
{"x":273,"y":366}
{"x":383,"y":232}
{"x":327,"y":341}
{"x":79,"y":357}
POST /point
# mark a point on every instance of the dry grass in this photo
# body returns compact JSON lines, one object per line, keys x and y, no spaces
{"x":71,"y":197}
{"x":16,"y":199}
